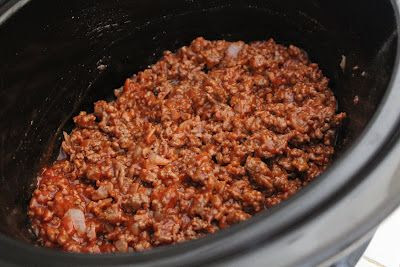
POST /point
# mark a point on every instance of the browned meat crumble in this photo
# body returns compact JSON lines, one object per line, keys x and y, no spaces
{"x":203,"y":139}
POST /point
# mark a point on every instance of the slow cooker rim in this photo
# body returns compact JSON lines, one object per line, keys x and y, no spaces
{"x":259,"y":220}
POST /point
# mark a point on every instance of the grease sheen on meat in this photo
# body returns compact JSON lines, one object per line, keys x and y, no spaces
{"x":203,"y":139}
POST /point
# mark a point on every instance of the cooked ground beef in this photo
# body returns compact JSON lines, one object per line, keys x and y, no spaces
{"x":203,"y":139}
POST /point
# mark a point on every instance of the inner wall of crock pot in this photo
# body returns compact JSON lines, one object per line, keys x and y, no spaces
{"x":58,"y":57}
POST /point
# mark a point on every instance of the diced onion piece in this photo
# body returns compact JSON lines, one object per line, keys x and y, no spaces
{"x":78,"y":219}
{"x":234,"y":49}
{"x":158,"y":160}
{"x":61,"y":154}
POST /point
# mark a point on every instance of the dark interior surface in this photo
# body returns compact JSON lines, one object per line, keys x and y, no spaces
{"x":58,"y":57}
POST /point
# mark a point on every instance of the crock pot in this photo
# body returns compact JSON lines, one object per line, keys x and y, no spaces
{"x":58,"y":57}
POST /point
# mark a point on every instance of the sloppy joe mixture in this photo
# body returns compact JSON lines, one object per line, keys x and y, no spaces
{"x":203,"y":139}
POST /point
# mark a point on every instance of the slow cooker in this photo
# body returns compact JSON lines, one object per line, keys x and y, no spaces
{"x":58,"y":57}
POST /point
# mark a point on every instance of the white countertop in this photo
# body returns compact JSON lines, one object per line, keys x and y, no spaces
{"x":384,"y":249}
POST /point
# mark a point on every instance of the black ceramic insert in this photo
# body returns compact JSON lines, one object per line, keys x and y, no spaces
{"x":59,"y":57}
